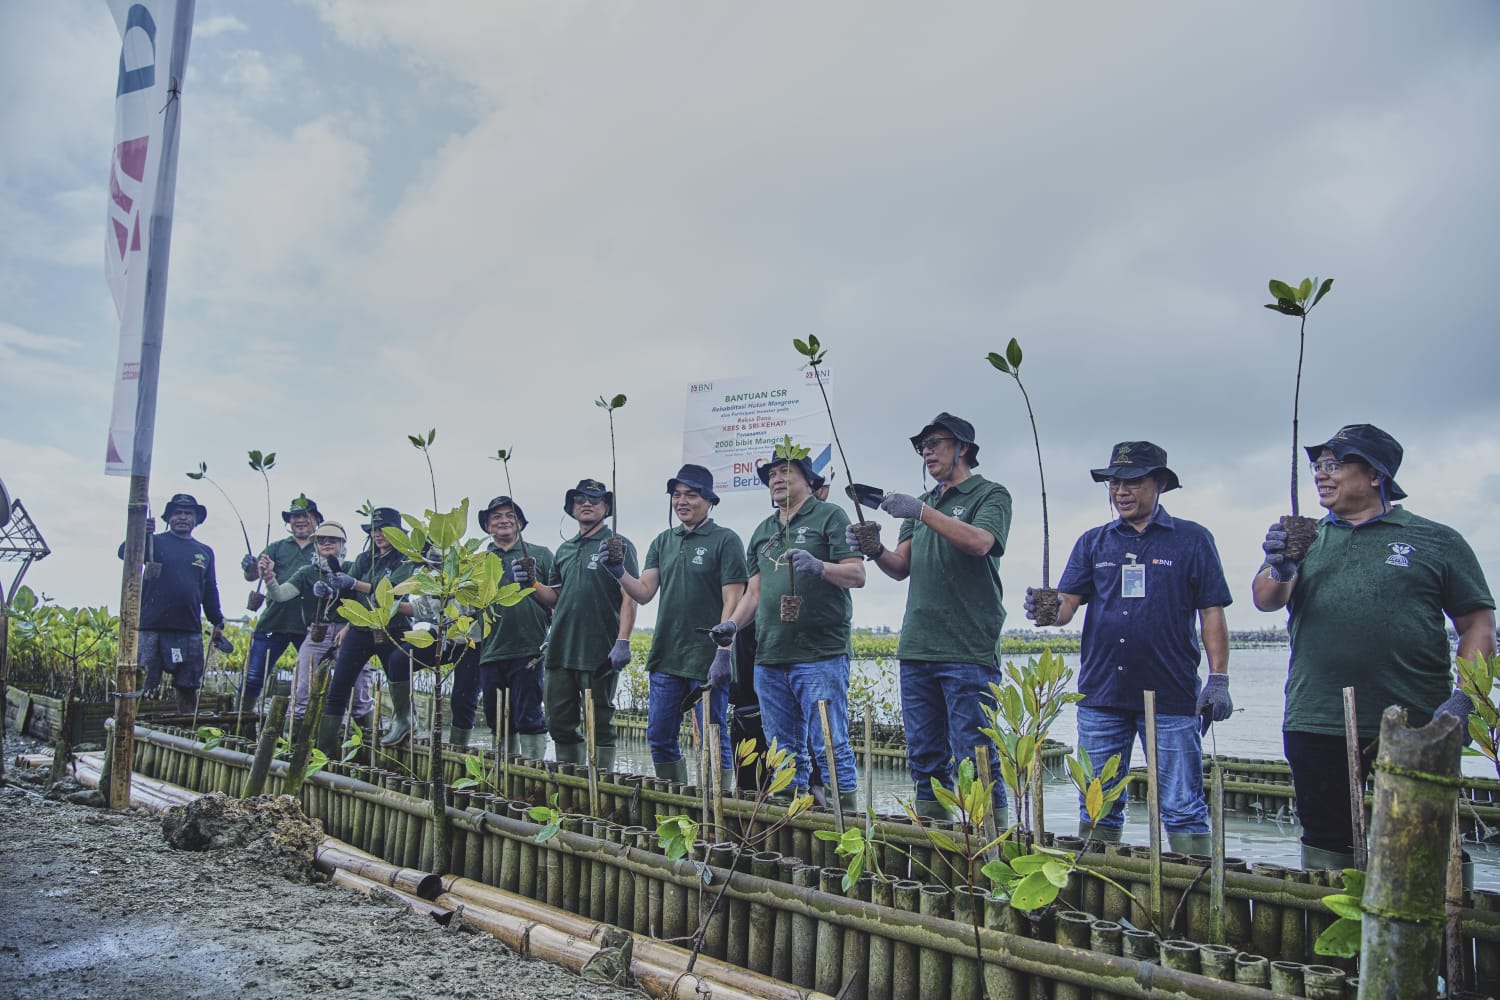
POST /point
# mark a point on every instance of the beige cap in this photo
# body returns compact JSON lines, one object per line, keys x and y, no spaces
{"x":331,"y":529}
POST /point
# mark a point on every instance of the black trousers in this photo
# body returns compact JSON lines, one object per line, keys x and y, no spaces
{"x":1320,"y":777}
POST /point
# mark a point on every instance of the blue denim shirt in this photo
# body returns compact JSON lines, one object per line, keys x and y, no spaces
{"x":1150,"y":643}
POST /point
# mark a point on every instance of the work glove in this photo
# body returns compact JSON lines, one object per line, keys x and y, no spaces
{"x":721,"y":669}
{"x":1029,"y":604}
{"x":1282,"y":568}
{"x":1458,"y":705}
{"x":248,"y":563}
{"x":804,"y":561}
{"x":853,"y":542}
{"x":321,"y":589}
{"x":901,"y":505}
{"x":618,"y":572}
{"x":619,"y":656}
{"x":1214,"y":703}
{"x":341,"y":581}
{"x":222,"y":643}
{"x":517,"y":574}
{"x":723,"y":634}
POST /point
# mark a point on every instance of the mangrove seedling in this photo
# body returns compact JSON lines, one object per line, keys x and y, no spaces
{"x":528,"y":562}
{"x":1045,"y":596}
{"x":867,"y":533}
{"x":1341,"y":939}
{"x":1023,"y":712}
{"x":614,"y":551}
{"x":262,"y":463}
{"x":422,"y":443}
{"x":1476,"y":678}
{"x":202,"y":474}
{"x":1298,"y":301}
{"x":791,"y":605}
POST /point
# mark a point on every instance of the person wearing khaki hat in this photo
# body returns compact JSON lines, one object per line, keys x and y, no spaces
{"x":282,"y":623}
{"x":1368,"y":607}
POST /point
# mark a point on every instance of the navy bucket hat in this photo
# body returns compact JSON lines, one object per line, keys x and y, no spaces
{"x":493,"y":505}
{"x":185,"y":501}
{"x":1135,"y":460}
{"x":805,"y":464}
{"x":302,"y":505}
{"x":591,"y":488}
{"x":383,"y":517}
{"x":957,"y":426}
{"x":695,"y":477}
{"x":1375,"y":446}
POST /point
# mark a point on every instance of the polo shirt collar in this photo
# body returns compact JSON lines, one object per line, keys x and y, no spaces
{"x":1159,"y":519}
{"x":967,"y":486}
{"x":1396,"y":515}
{"x":679,"y":529}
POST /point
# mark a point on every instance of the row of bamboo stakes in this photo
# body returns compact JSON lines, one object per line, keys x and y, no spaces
{"x":784,"y":914}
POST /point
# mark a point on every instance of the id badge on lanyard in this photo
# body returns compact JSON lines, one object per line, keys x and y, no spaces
{"x":1132,"y":577}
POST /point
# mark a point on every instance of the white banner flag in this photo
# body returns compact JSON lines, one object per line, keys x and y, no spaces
{"x":142,"y":181}
{"x":732,"y":425}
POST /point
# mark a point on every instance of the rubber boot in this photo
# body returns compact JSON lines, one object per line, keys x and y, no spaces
{"x":512,"y":745}
{"x":400,"y":713}
{"x":1191,"y":843}
{"x":726,"y":787}
{"x":366,"y":724}
{"x":932,"y":809}
{"x":1317,"y":859}
{"x":849,"y":801}
{"x":330,"y":736}
{"x":675,"y":770}
{"x":187,"y":700}
{"x":533,"y":745}
{"x":604,"y":759}
{"x":571,"y":753}
{"x":1103,"y":834}
{"x":458,"y":737}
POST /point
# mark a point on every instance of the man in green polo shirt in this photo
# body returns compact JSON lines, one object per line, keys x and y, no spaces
{"x":1366,"y":609}
{"x":699,"y":569}
{"x":949,"y":547}
{"x":591,"y":622}
{"x":282,"y":623}
{"x":800,"y":663}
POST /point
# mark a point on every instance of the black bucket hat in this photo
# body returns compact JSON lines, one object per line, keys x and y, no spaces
{"x":805,"y":464}
{"x":1370,"y":443}
{"x":383,"y":517}
{"x":957,"y":426}
{"x":187,"y":501}
{"x":1135,"y":460}
{"x":695,"y":477}
{"x":591,"y":488}
{"x":489,"y":508}
{"x":301,"y":505}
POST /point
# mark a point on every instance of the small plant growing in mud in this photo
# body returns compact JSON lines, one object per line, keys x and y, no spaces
{"x":1045,"y":596}
{"x":865,"y":532}
{"x":1297,"y":301}
{"x":1023,"y":712}
{"x":614,"y":550}
{"x":202,"y":475}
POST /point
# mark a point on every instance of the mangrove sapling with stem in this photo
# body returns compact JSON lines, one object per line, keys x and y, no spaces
{"x":1045,"y":598}
{"x":787,"y":451}
{"x":262,"y":463}
{"x":528,"y":563}
{"x":867,"y":533}
{"x":422,"y":443}
{"x":202,"y":474}
{"x":614,"y":549}
{"x":1297,"y":301}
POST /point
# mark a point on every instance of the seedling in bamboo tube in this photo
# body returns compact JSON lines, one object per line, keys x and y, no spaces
{"x":1298,"y":301}
{"x":866,"y":533}
{"x":262,"y":463}
{"x":788,"y":452}
{"x":202,"y":476}
{"x":614,"y":549}
{"x":1045,"y":596}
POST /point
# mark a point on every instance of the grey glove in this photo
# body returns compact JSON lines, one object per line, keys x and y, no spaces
{"x":804,"y":561}
{"x":248,"y":563}
{"x":723,"y":634}
{"x":1458,"y":705}
{"x":517,"y":574}
{"x":341,"y":581}
{"x":1214,"y":703}
{"x":1029,"y":604}
{"x":720,"y":670}
{"x":618,"y":572}
{"x":619,"y":655}
{"x":902,"y":505}
{"x":321,"y":589}
{"x":1282,"y":568}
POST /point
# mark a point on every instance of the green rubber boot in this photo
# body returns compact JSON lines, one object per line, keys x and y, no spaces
{"x":330,"y":737}
{"x":366,"y":724}
{"x":458,"y":737}
{"x":726,"y":784}
{"x":533,"y":745}
{"x":932,"y":809}
{"x":675,"y":770}
{"x":849,"y":801}
{"x":400,"y":693}
{"x":1102,"y":834}
{"x":571,"y":753}
{"x":1317,"y":859}
{"x":604,"y":759}
{"x":1191,"y":843}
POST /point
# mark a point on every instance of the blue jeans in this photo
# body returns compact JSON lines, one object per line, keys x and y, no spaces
{"x":1104,"y":732}
{"x":664,"y":717}
{"x":789,"y":696}
{"x":474,"y":681}
{"x":941,"y":706}
{"x":265,"y":649}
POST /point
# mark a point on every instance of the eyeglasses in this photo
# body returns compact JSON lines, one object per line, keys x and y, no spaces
{"x":931,"y":443}
{"x":591,"y":501}
{"x":1128,"y":484}
{"x":1327,"y":466}
{"x":328,"y":540}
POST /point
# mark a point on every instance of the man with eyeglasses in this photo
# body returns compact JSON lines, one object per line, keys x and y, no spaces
{"x":1365,"y":608}
{"x":949,"y":547}
{"x":1146,"y":577}
{"x":282,"y":623}
{"x":592,"y":619}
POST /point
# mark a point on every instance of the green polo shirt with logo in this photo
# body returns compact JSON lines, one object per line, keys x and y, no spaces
{"x":586,"y":620}
{"x":953,"y":602}
{"x":516,"y":632}
{"x":1368,"y":611}
{"x":821,"y":632}
{"x":695,"y":566}
{"x":392,"y":566}
{"x":289,"y":557}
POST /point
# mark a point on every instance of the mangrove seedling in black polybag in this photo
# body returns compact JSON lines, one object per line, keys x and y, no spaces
{"x":262,"y":463}
{"x":1045,"y":596}
{"x":1297,"y":301}
{"x":791,"y":605}
{"x":614,"y":549}
{"x":867,"y":533}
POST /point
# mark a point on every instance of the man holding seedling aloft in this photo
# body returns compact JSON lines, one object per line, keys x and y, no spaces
{"x":950,"y":546}
{"x":282,"y":623}
{"x":592,"y":619}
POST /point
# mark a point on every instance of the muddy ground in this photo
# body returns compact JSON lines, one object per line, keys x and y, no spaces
{"x":96,"y":904}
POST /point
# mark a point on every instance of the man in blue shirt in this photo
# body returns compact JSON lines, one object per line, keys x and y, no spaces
{"x":1146,"y":576}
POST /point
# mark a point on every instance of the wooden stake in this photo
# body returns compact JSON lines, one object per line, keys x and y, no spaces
{"x":1356,"y":782}
{"x":833,"y":777}
{"x":588,"y":735}
{"x":705,"y":759}
{"x":1153,"y":807}
{"x":716,"y":778}
{"x":502,"y":741}
{"x":869,"y":768}
{"x":1216,"y":873}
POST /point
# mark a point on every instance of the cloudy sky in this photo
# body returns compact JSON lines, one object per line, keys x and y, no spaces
{"x":478,"y":217}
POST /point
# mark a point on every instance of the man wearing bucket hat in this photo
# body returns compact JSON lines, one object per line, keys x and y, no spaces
{"x":1146,"y":578}
{"x":1368,"y":606}
{"x":802,"y":662}
{"x":281,"y":624}
{"x":509,"y":656}
{"x":950,"y":545}
{"x":175,"y":602}
{"x":698,"y":567}
{"x":379,"y":561}
{"x":591,"y":623}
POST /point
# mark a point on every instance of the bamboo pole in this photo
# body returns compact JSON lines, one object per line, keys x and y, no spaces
{"x":122,"y":757}
{"x":832,"y":776}
{"x":1356,"y":781}
{"x":1216,"y":912}
{"x":266,"y":747}
{"x":591,"y":748}
{"x":1153,"y":808}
